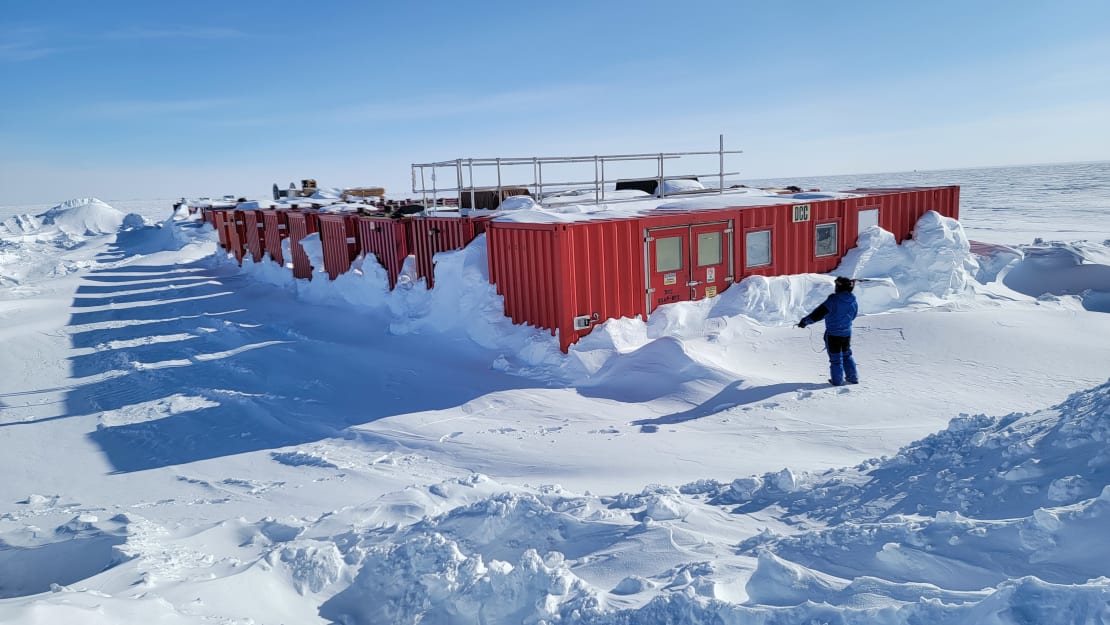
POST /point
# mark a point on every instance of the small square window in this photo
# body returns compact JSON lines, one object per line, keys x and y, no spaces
{"x":826,"y":240}
{"x":709,"y":249}
{"x":668,"y":254}
{"x":757,"y":248}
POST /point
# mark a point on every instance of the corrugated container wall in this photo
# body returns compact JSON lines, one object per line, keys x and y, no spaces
{"x":236,"y":237}
{"x":551,"y":273}
{"x":252,"y":227}
{"x":218,"y":218}
{"x":338,"y":238}
{"x":431,"y":235}
{"x":274,"y":231}
{"x":301,"y":224}
{"x":387,"y":240}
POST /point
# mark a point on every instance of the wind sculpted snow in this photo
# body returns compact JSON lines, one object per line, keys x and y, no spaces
{"x":190,"y":441}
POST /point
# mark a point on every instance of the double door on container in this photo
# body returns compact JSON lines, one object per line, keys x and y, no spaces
{"x":687,"y":262}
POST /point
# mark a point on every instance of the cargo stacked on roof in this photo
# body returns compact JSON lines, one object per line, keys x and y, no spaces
{"x":567,"y":256}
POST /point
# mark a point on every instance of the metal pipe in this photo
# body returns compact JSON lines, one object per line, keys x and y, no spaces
{"x":470,"y":170}
{"x":423,"y":186}
{"x":659,"y":186}
{"x":602,"y":178}
{"x":597,"y":185}
{"x":459,"y":178}
{"x":721,"y":182}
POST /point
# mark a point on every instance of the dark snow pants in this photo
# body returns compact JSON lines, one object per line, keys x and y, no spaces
{"x":841,"y":364}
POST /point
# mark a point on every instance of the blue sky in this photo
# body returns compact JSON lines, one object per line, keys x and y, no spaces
{"x":121,"y":100}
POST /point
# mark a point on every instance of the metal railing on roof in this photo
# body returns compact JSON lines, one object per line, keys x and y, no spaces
{"x":464,"y":168}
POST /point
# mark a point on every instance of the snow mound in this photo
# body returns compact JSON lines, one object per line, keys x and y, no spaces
{"x":84,"y":217}
{"x":903,"y":540}
{"x":19,"y":225}
{"x":679,"y":186}
{"x":1062,"y":269}
{"x":518,"y":202}
{"x":982,"y":501}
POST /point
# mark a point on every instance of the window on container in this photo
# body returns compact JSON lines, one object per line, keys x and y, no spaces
{"x":826,"y":240}
{"x":868,"y":217}
{"x":709,"y":249}
{"x":668,"y":254}
{"x":757,"y":248}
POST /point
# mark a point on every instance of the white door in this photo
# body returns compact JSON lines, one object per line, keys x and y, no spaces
{"x":867,"y":218}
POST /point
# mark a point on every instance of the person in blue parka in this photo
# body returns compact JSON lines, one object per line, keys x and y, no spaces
{"x":839,"y":311}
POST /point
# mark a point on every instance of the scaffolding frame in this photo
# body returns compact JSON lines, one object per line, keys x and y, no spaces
{"x":463,"y":171}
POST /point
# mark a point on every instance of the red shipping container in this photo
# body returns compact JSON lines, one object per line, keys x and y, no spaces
{"x":567,"y":277}
{"x":339,"y":238}
{"x":236,"y":236}
{"x":387,"y":240}
{"x":431,"y":235}
{"x":218,"y":218}
{"x":301,"y":224}
{"x":274,"y":231}
{"x":252,"y":228}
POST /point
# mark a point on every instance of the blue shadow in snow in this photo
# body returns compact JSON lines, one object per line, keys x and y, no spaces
{"x":728,"y":397}
{"x":253,"y":375}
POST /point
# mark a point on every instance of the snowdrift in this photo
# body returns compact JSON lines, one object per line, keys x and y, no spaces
{"x":215,"y":443}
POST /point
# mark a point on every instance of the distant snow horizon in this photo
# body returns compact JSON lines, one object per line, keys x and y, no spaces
{"x":10,"y":204}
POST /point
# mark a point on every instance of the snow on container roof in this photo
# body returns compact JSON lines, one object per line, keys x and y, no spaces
{"x":637,"y":204}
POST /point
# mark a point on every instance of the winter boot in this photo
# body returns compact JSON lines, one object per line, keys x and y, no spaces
{"x":850,"y":373}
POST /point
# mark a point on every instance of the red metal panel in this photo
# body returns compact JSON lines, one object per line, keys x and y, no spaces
{"x":218,"y":218}
{"x":756,"y":219}
{"x":550,"y":273}
{"x":236,"y":237}
{"x":274,"y":231}
{"x":301,"y":224}
{"x":824,"y":212}
{"x":252,"y":228}
{"x":338,"y":237}
{"x":899,"y":209}
{"x":387,"y":240}
{"x":602,"y":270}
{"x":523,"y":258}
{"x":431,"y":235}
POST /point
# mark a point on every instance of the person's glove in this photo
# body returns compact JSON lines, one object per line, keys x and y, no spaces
{"x":802,"y":323}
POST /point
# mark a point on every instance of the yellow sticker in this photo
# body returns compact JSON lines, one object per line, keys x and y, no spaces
{"x":670,"y":278}
{"x":710,"y":291}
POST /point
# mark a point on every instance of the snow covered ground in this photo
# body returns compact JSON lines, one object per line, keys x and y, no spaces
{"x":186,"y":441}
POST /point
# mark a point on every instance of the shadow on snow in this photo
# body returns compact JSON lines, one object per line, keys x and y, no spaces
{"x":183,"y":370}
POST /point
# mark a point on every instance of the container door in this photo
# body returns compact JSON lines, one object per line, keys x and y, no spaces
{"x":668,"y":266}
{"x":710,"y":259}
{"x":867,"y":217}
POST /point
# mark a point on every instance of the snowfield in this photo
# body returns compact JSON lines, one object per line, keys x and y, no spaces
{"x":187,"y":441}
